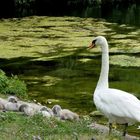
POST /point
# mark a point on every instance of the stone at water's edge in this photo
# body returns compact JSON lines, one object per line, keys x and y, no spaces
{"x":105,"y":130}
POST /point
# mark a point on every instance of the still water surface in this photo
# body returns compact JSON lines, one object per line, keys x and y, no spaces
{"x":50,"y":54}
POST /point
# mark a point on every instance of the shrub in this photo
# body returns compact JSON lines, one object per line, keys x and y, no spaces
{"x":12,"y":85}
{"x":3,"y":81}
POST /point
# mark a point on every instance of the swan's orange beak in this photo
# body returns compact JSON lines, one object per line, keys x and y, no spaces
{"x":92,"y":45}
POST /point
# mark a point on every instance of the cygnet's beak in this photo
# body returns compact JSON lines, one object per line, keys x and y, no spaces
{"x":92,"y":45}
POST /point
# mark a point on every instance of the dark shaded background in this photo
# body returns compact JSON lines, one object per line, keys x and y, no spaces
{"x":120,"y":11}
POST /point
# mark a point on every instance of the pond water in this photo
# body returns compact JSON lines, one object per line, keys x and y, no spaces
{"x":50,"y":54}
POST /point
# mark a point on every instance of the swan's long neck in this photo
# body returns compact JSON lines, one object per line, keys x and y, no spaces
{"x":103,"y":79}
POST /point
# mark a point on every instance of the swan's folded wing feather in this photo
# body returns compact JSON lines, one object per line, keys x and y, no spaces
{"x":121,"y":104}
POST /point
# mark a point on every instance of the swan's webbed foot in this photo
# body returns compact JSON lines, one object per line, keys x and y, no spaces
{"x":125,"y":129}
{"x":110,"y":128}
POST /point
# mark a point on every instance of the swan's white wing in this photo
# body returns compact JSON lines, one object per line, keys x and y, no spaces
{"x":118,"y":103}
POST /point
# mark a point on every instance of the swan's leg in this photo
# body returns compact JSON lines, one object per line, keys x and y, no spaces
{"x":110,"y":128}
{"x":125,"y":129}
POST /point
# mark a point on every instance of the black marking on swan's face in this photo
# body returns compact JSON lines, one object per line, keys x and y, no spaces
{"x":98,"y":41}
{"x":92,"y":45}
{"x":93,"y":42}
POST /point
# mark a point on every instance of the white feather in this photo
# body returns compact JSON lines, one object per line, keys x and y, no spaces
{"x":117,"y":105}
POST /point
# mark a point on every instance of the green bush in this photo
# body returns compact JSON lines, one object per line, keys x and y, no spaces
{"x":3,"y":81}
{"x":12,"y":85}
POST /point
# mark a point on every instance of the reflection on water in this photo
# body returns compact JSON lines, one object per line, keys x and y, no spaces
{"x":113,"y":13}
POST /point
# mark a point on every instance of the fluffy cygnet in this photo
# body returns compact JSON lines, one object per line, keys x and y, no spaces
{"x":28,"y":110}
{"x":46,"y":112}
{"x":64,"y":114}
{"x":12,"y":104}
{"x":9,"y":106}
{"x":33,"y":106}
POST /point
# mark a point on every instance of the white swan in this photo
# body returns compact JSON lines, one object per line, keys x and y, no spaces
{"x":118,"y":106}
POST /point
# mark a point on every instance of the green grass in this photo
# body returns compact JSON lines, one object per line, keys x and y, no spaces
{"x":16,"y":126}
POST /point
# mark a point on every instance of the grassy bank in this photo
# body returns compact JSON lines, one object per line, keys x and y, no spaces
{"x":19,"y":127}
